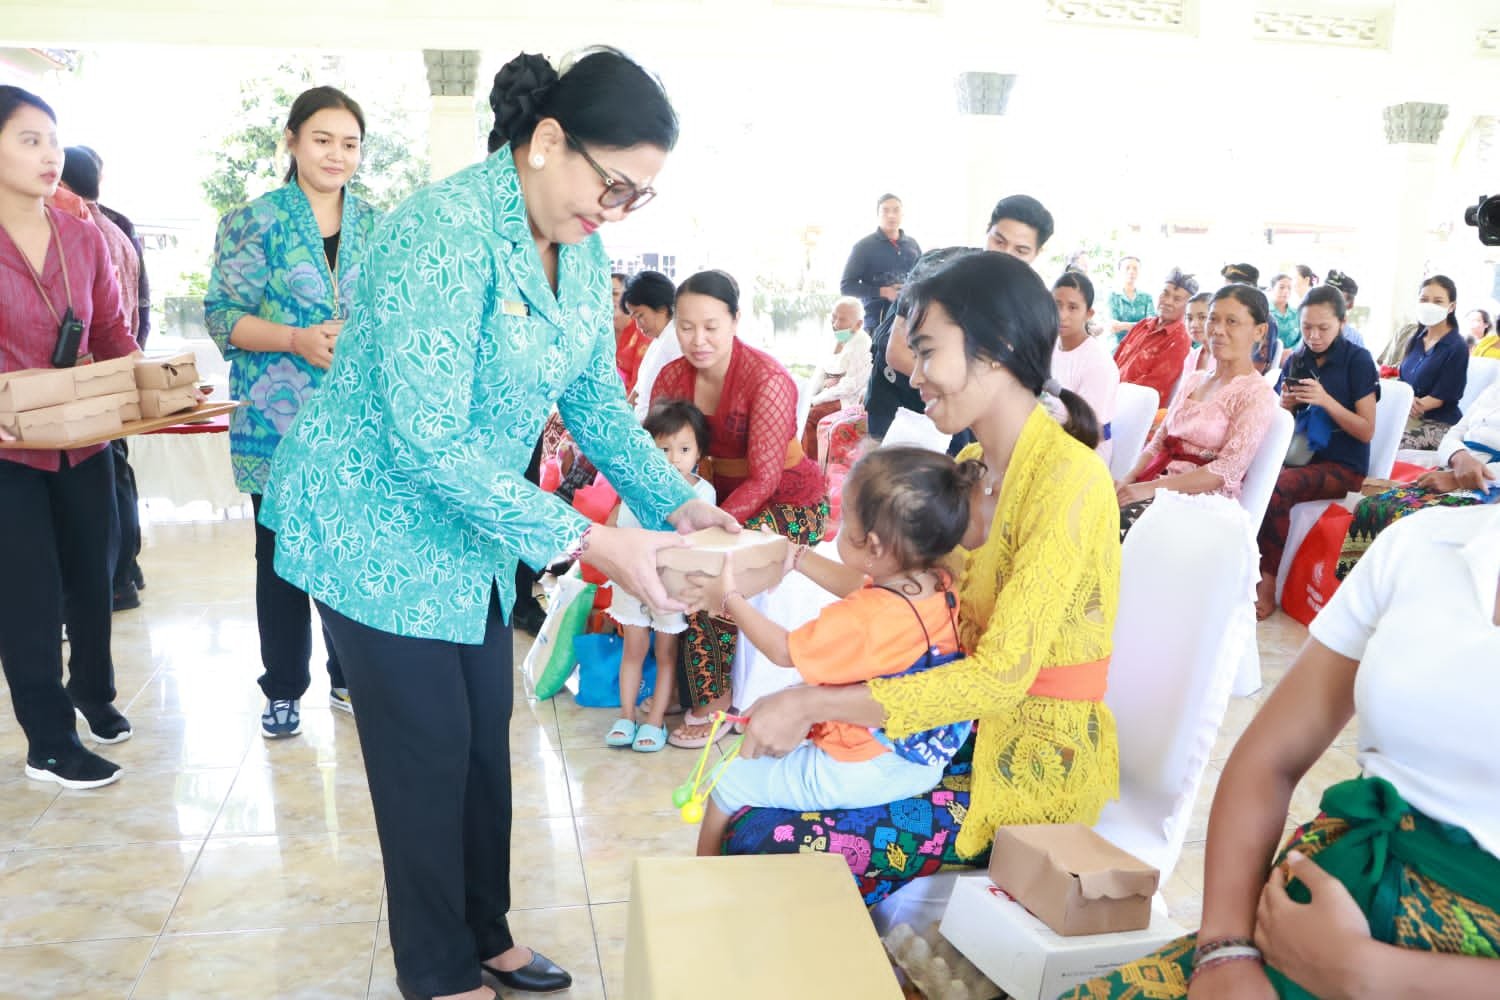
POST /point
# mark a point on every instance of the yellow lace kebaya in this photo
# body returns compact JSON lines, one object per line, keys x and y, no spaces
{"x":1039,"y":595}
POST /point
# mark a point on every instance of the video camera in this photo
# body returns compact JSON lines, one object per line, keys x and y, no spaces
{"x":1486,"y":217}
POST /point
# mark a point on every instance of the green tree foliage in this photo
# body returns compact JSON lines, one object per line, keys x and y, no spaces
{"x":248,"y":160}
{"x":789,"y":303}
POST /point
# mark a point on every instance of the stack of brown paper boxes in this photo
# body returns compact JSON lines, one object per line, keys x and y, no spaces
{"x":58,"y":406}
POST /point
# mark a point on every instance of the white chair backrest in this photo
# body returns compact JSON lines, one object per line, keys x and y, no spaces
{"x":806,"y":388}
{"x":908,"y":427}
{"x":1184,"y":616}
{"x":1135,"y":409}
{"x":1273,"y":370}
{"x":1483,"y":372}
{"x":1260,"y":477}
{"x":1390,"y":423}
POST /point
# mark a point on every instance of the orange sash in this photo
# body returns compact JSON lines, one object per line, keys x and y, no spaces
{"x":710,"y":467}
{"x":1073,"y":682}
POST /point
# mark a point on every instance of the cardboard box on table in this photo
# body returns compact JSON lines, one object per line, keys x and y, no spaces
{"x":758,"y":560}
{"x":103,"y":378}
{"x":167,"y":373}
{"x":786,"y":925}
{"x":1081,"y":908}
{"x":35,"y":388}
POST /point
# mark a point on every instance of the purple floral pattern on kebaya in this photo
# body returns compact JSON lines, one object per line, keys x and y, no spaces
{"x":280,"y":392}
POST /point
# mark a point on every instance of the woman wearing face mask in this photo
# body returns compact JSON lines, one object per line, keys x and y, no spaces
{"x":399,"y":501}
{"x":755,"y":461}
{"x":1215,"y":425}
{"x":1436,"y":365}
{"x":843,"y":375}
{"x":285,"y":268}
{"x":1330,"y":387}
{"x":1036,"y":599}
{"x":57,"y":508}
{"x":648,"y":298}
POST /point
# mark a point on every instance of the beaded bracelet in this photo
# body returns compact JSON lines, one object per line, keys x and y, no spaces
{"x":1208,"y":948}
{"x":798,"y":552}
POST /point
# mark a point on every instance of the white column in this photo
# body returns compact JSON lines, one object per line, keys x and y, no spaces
{"x":1411,"y":131}
{"x":982,"y":99}
{"x":453,"y":131}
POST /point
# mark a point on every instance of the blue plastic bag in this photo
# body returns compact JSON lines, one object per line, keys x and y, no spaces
{"x":599,"y":671}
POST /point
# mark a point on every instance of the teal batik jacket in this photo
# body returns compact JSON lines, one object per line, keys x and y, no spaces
{"x":269,"y":262}
{"x":398,"y":498}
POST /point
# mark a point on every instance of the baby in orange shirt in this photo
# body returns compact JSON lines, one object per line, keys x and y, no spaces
{"x":905,"y":511}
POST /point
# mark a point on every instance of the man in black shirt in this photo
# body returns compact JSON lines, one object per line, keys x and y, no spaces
{"x":879,"y":263}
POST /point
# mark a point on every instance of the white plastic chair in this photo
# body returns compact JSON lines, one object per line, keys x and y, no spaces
{"x":1391,"y":412}
{"x":1135,"y":409}
{"x":1483,"y":372}
{"x":806,"y":389}
{"x":1255,"y":497}
{"x":1185,"y":612}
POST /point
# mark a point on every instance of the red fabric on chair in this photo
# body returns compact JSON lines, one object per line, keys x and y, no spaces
{"x":1313,"y":576}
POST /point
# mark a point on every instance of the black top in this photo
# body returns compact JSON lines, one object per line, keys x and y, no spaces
{"x":876,"y":261}
{"x":1349,"y":374}
{"x":331,"y":251}
{"x":891,"y":391}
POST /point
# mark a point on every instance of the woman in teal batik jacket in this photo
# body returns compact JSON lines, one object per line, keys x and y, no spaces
{"x":285,"y":267}
{"x":399,"y":500}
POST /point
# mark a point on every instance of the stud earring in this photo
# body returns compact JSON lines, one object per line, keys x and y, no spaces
{"x":538,"y":161}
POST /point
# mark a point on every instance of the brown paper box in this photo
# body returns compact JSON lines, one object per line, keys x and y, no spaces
{"x":758,"y":559}
{"x":34,"y":388}
{"x":165,"y":402}
{"x":104,"y":378}
{"x":1072,"y":879}
{"x":60,"y":425}
{"x":788,"y":925}
{"x":127,"y":404}
{"x":167,"y":373}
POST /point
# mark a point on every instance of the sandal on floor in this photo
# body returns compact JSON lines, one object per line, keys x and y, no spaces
{"x":649,"y":738}
{"x":677,"y":739}
{"x":621,"y":734}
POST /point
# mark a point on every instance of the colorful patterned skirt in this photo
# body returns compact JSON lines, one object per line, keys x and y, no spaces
{"x":1428,"y":916}
{"x":1375,"y":513}
{"x":709,"y":650}
{"x":886,"y":846}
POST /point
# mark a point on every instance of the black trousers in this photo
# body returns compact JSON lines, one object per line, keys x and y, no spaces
{"x":57,"y":543}
{"x":434,"y":727}
{"x":283,"y":614}
{"x":127,"y":500}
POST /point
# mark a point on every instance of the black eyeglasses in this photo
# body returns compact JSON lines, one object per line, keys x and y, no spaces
{"x":617,"y":193}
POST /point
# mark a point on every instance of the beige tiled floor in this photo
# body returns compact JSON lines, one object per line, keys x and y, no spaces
{"x":226,"y":866}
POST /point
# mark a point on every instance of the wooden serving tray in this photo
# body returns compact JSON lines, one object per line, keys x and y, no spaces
{"x":203,"y":412}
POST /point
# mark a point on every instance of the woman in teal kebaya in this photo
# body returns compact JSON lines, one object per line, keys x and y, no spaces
{"x":285,"y":267}
{"x":399,"y":501}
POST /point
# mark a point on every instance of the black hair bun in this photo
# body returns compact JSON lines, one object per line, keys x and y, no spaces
{"x":521,"y":89}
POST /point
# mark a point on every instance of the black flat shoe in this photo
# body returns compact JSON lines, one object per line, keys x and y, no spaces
{"x":540,"y":975}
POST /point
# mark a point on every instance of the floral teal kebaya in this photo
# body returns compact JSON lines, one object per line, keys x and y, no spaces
{"x":269,"y":262}
{"x":398,"y":498}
